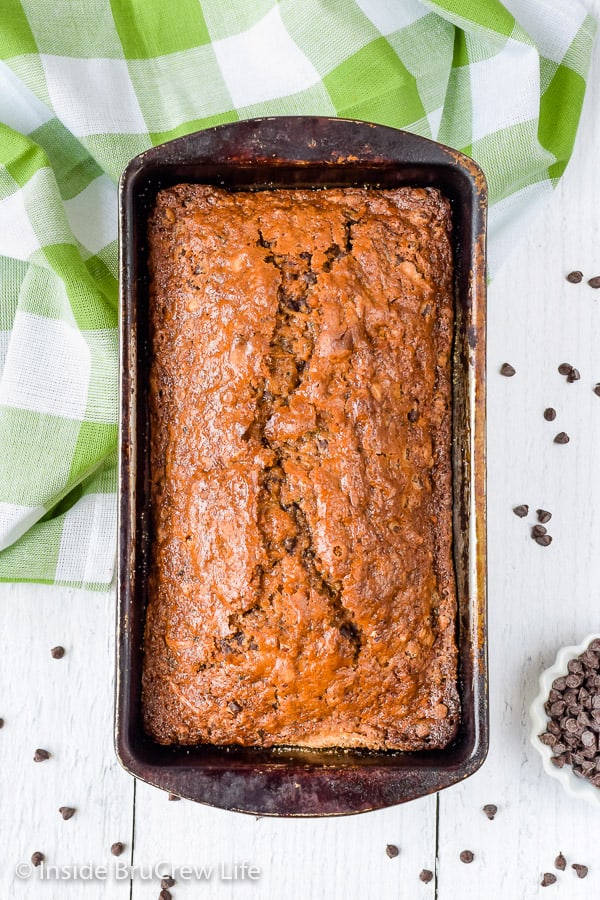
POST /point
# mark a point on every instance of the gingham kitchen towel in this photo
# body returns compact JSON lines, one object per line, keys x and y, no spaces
{"x":85,"y":86}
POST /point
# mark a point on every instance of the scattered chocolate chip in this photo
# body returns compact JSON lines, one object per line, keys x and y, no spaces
{"x":575,"y":277}
{"x":565,"y":368}
{"x":562,"y":438}
{"x":1,"y":723}
{"x":560,"y":862}
{"x":57,"y":652}
{"x":165,"y":895}
{"x":550,"y":414}
{"x":581,"y":870}
{"x":40,"y":755}
{"x":67,"y":812}
{"x":521,"y":511}
{"x":538,"y":530}
{"x":544,"y":540}
{"x":37,"y":858}
{"x":167,"y":882}
{"x":548,"y":879}
{"x":490,"y":809}
{"x":597,"y":389}
{"x":574,"y":375}
{"x":467,"y":856}
{"x":117,"y":848}
{"x":234,"y":707}
{"x":426,"y":875}
{"x":413,"y":415}
{"x":174,"y":797}
{"x":507,"y":370}
{"x":557,"y":761}
{"x":392,"y":851}
{"x":543,"y":516}
{"x":594,"y":282}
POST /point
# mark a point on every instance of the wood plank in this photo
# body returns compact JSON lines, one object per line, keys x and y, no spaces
{"x":63,"y":706}
{"x":539,"y":598}
{"x":337,"y":859}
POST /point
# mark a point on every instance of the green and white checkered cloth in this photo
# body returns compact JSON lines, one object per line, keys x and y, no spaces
{"x":85,"y":86}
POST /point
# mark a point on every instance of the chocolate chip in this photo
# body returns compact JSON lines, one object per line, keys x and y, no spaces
{"x":565,"y":368}
{"x":174,"y":797}
{"x":426,"y":875}
{"x":57,"y":652}
{"x":559,"y":684}
{"x":165,"y":895}
{"x":594,"y":282}
{"x":574,"y":375}
{"x":560,"y":862}
{"x":562,"y":438}
{"x":467,"y":856}
{"x":538,"y":531}
{"x":581,"y":870}
{"x":392,"y":851}
{"x":40,"y":755}
{"x":507,"y":370}
{"x":597,"y":389}
{"x":574,"y":680}
{"x":167,"y":882}
{"x":548,"y":879}
{"x":67,"y":812}
{"x":521,"y":511}
{"x":490,"y":809}
{"x":413,"y":414}
{"x":544,"y":540}
{"x":575,"y":277}
{"x":543,"y":516}
{"x":590,"y":659}
{"x":557,"y":761}
{"x":37,"y":858}
{"x":117,"y":848}
{"x":548,"y":739}
{"x":588,"y":739}
{"x":234,"y":707}
{"x":1,"y":723}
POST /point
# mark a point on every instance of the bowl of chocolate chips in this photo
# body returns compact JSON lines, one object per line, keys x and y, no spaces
{"x":566,"y":719}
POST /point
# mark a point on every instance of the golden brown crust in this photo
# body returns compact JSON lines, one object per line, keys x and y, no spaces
{"x":302,"y":587}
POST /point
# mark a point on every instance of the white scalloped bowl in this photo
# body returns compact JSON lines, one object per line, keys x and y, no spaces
{"x":576,"y":786}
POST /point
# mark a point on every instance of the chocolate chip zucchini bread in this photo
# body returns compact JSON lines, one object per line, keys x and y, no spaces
{"x":302,"y":589}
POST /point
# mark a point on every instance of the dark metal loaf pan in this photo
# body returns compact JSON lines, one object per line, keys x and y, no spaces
{"x":304,"y":152}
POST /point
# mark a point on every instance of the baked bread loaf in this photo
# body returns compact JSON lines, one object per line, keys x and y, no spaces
{"x":302,"y":589}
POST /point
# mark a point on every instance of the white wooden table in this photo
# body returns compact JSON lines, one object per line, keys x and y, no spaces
{"x":539,"y":599}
